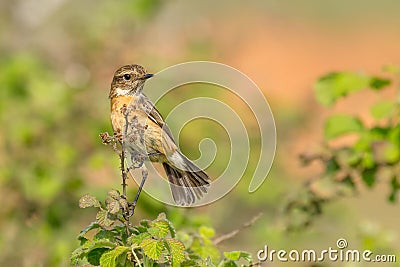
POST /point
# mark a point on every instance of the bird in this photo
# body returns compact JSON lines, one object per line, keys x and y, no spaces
{"x":138,"y":124}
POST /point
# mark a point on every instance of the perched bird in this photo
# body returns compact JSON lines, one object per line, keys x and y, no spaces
{"x":138,"y":123}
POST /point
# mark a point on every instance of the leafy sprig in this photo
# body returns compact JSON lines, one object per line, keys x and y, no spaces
{"x":373,"y":156}
{"x":156,"y":242}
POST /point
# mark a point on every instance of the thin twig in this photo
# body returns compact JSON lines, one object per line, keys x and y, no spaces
{"x":124,"y":135}
{"x":136,"y":257}
{"x":236,"y":231}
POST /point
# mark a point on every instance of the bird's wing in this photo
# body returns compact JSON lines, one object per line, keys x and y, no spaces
{"x":156,"y":117}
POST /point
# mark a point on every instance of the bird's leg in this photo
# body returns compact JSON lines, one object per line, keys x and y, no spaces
{"x":145,"y":173}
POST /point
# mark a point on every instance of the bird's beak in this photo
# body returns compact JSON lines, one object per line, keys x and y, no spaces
{"x":147,"y":76}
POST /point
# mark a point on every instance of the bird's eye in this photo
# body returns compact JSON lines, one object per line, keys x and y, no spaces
{"x":127,"y":77}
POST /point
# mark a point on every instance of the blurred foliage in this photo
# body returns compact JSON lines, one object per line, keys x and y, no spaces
{"x":49,"y":128}
{"x":56,"y":60}
{"x":373,"y":157}
{"x":150,"y":243}
{"x":40,"y":163}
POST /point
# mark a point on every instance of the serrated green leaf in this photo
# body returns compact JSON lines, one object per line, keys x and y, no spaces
{"x":153,"y":231}
{"x":338,"y":125}
{"x":333,"y":86}
{"x":152,"y":248}
{"x":177,"y":250}
{"x":88,"y":201}
{"x":171,"y":229}
{"x":109,"y":259}
{"x":94,"y":255}
{"x":163,"y":228}
{"x":103,"y":219}
{"x":382,"y":109}
{"x":206,"y":231}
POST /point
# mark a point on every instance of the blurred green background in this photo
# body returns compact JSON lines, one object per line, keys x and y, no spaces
{"x":57,"y":59}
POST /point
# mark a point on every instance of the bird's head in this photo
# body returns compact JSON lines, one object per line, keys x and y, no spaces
{"x":128,"y":80}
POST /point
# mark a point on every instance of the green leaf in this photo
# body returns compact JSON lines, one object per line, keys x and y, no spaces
{"x":163,"y":228}
{"x":391,"y":153}
{"x":105,"y":235}
{"x":233,"y":255}
{"x":333,"y":86}
{"x":205,"y":249}
{"x":94,"y":256}
{"x":88,"y":201}
{"x":177,"y":250}
{"x":103,"y":219}
{"x":207,"y":232}
{"x":103,"y":243}
{"x":368,"y":176}
{"x":82,"y":240}
{"x":228,"y":263}
{"x":382,"y":109}
{"x":162,"y":221}
{"x":395,"y":187}
{"x":152,"y":248}
{"x":137,"y":239}
{"x":247,"y":256}
{"x":145,"y":223}
{"x":378,"y":83}
{"x":393,"y":69}
{"x":237,"y":255}
{"x":338,"y":125}
{"x":394,"y":135}
{"x":109,"y":259}
{"x":153,"y":231}
{"x":93,"y":225}
{"x":368,"y":160}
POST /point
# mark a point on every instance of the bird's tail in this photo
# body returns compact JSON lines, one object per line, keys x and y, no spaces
{"x":187,"y":181}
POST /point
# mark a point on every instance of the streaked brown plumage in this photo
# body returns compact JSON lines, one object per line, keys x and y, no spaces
{"x":187,"y":181}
